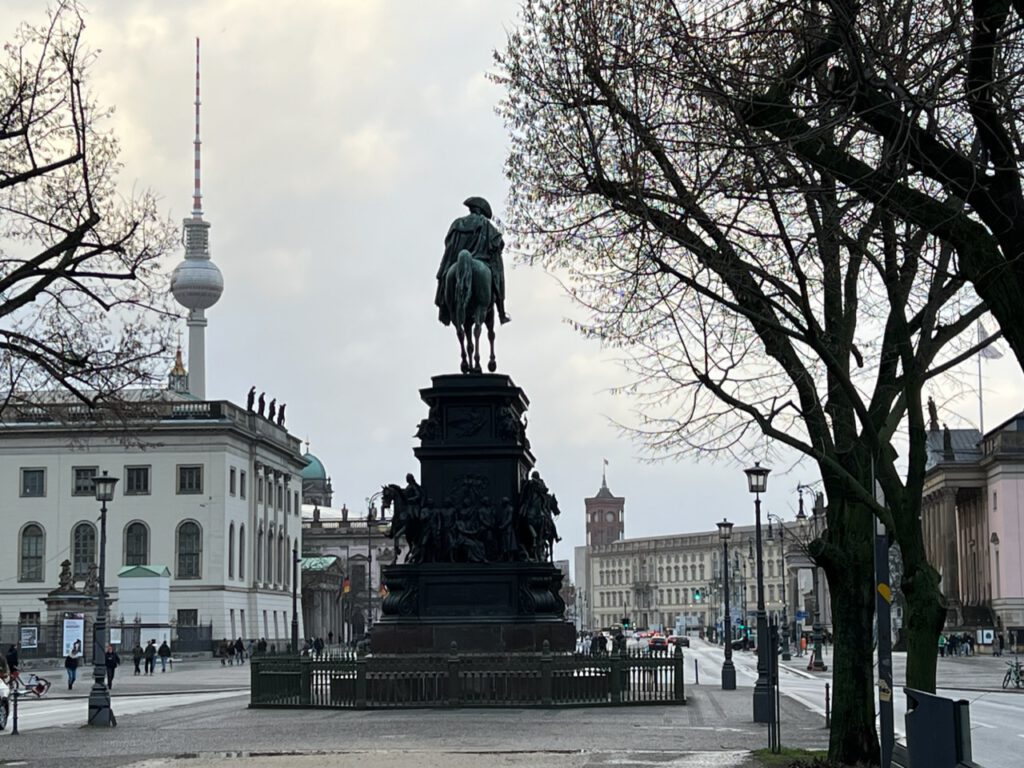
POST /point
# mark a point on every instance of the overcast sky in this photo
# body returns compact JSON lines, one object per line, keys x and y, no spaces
{"x":339,"y":139}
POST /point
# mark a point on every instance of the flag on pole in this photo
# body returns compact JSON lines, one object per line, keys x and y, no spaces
{"x":991,"y":352}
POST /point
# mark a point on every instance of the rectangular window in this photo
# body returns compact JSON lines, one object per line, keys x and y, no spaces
{"x":33,"y":482}
{"x":241,"y":488}
{"x":188,"y":617}
{"x":190,"y":478}
{"x":136,"y":481}
{"x":83,"y":481}
{"x":297,"y":508}
{"x":259,"y":491}
{"x":231,"y":481}
{"x":280,"y":497}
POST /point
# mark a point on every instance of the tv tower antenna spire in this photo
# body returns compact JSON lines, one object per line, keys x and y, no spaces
{"x":196,"y":282}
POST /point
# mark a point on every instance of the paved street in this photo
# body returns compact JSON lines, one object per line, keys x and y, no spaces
{"x":200,"y":709}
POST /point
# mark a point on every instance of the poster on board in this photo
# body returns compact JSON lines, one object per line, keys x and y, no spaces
{"x":28,"y":637}
{"x":74,"y":633}
{"x":115,"y":635}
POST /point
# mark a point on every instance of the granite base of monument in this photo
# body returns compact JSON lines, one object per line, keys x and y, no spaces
{"x":481,"y":607}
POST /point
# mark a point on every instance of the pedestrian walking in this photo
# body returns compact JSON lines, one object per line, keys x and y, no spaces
{"x":330,"y":637}
{"x":137,"y":658}
{"x":164,"y":652}
{"x":12,"y":658}
{"x":150,"y":656}
{"x":318,"y":646}
{"x":230,"y":650}
{"x":71,"y":663}
{"x":240,"y":651}
{"x":252,"y":647}
{"x":942,"y":645}
{"x":1000,"y":644}
{"x":111,"y":661}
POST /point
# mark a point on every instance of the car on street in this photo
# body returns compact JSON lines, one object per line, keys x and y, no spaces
{"x":657,"y":644}
{"x":680,"y":640}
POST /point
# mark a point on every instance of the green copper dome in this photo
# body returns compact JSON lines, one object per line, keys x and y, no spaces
{"x":314,"y":470}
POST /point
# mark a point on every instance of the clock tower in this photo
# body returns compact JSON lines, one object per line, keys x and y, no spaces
{"x":605,"y":516}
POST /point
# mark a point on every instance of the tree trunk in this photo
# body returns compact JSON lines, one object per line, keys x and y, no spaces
{"x":926,"y":612}
{"x":847,"y":559}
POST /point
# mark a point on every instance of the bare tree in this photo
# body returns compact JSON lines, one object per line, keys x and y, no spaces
{"x":83,"y":299}
{"x":756,"y":292}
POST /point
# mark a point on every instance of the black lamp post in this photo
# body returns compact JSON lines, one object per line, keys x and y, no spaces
{"x":728,"y":670}
{"x":817,"y":662}
{"x":100,"y":713}
{"x":786,"y":656}
{"x":757,"y":483}
{"x":371,"y":514}
{"x":295,"y":597}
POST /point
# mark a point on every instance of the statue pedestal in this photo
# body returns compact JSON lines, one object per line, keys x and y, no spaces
{"x":474,"y":579}
{"x":482,"y":607}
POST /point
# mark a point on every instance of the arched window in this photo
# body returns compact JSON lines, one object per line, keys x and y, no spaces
{"x":241,"y":552}
{"x":190,"y":550}
{"x":83,"y":549}
{"x":231,"y":550}
{"x":136,"y":544}
{"x":33,"y":553}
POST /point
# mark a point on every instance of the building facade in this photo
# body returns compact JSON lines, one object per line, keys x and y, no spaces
{"x":972,"y":516}
{"x":208,"y":490}
{"x":676,"y":581}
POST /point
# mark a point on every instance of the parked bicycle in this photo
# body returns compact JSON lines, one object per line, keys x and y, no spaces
{"x":1013,"y":675}
{"x":30,"y":684}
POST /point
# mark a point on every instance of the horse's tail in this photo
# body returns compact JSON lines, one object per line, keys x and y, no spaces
{"x":463,"y":286}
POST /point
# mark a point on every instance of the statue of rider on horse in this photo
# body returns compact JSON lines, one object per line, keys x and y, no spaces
{"x":470,"y":287}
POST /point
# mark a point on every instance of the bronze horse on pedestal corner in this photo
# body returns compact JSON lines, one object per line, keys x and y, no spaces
{"x":469,"y":296}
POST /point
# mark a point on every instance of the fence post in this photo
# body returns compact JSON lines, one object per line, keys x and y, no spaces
{"x":454,"y":686}
{"x":545,"y":675}
{"x":677,"y":689}
{"x":255,"y":694}
{"x":828,"y":707}
{"x":306,"y":681}
{"x":616,"y":670}
{"x":360,"y":678}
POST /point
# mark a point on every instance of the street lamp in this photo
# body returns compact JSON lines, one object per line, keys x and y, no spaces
{"x":757,"y":483}
{"x":728,"y":670}
{"x":100,"y":713}
{"x":782,"y":549}
{"x":371,"y":512}
{"x":295,"y":596}
{"x":817,"y":662}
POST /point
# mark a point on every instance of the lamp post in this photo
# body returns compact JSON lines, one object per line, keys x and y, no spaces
{"x":757,"y":483}
{"x":817,"y":662}
{"x":786,"y":656}
{"x":295,"y":597}
{"x":728,"y":669}
{"x":371,"y":515}
{"x":100,"y":713}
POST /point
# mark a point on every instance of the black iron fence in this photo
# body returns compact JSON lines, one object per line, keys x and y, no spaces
{"x":357,"y":681}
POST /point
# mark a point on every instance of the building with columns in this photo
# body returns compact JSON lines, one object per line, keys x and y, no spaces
{"x":206,"y":489}
{"x":676,"y":580}
{"x":972,"y":515}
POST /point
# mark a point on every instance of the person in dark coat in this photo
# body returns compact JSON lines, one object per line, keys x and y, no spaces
{"x":137,"y":658}
{"x":111,"y":661}
{"x":164,"y":652}
{"x":150,"y":656}
{"x":12,"y":658}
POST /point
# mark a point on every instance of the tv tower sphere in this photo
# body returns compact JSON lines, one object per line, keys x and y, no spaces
{"x":197,"y":283}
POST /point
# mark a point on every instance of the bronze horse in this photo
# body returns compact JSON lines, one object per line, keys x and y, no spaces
{"x":470,"y":300}
{"x":405,"y":522}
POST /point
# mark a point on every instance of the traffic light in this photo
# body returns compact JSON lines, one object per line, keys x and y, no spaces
{"x":625,"y":622}
{"x":696,"y":595}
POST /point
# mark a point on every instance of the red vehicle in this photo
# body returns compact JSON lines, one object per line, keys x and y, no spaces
{"x":657,"y":644}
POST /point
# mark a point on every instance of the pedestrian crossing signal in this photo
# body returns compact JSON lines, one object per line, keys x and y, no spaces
{"x":696,"y":595}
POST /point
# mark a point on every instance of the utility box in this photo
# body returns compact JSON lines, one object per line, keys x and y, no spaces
{"x":938,"y":730}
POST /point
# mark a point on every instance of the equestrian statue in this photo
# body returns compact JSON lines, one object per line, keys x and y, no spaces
{"x":471,"y":282}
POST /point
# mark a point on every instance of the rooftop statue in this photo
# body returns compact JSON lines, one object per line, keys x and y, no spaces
{"x":471,"y":282}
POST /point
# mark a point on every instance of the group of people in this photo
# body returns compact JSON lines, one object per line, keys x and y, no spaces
{"x":314,"y":646}
{"x":955,"y":644}
{"x":149,"y":655}
{"x":230,"y":652}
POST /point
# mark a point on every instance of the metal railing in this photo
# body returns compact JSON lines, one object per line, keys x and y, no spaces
{"x":357,"y":681}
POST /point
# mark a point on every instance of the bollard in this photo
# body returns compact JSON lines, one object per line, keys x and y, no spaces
{"x":828,"y":707}
{"x":696,"y":673}
{"x":14,"y":714}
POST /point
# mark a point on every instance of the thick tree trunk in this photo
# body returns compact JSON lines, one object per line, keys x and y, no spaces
{"x":926,"y":612}
{"x":847,"y":559}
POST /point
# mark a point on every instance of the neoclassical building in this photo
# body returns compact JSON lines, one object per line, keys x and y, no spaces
{"x":206,"y":489}
{"x":676,"y":580}
{"x":972,"y":517}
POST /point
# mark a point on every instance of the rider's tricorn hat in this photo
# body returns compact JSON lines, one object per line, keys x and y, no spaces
{"x":478,"y":202}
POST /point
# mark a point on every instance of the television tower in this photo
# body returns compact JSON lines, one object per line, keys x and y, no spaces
{"x":196,"y":282}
